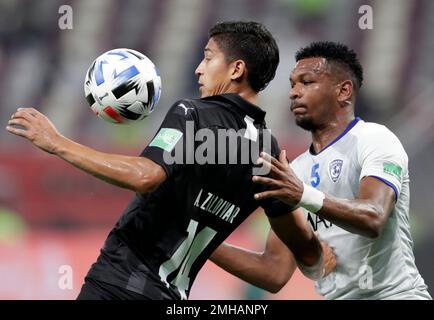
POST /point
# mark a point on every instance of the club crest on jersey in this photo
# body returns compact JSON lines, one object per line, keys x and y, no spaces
{"x":335,"y":168}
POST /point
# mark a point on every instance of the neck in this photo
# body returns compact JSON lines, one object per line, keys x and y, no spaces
{"x":244,"y":92}
{"x":323,"y":136}
{"x":250,"y":96}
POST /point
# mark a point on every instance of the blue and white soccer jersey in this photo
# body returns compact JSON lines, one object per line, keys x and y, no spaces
{"x":382,"y":268}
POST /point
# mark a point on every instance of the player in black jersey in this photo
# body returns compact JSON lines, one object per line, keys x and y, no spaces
{"x":193,"y":182}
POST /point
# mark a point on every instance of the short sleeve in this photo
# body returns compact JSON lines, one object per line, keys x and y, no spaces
{"x":168,"y":148}
{"x":272,"y":206}
{"x":382,"y":156}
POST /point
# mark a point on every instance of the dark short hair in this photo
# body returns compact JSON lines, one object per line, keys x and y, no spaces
{"x":252,"y":43}
{"x":335,"y":53}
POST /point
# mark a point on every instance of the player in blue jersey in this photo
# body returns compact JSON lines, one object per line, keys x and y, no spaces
{"x":352,"y":184}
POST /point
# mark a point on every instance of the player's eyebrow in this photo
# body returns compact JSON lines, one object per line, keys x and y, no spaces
{"x":301,"y":75}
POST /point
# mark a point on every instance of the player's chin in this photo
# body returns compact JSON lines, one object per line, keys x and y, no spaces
{"x":304,"y":122}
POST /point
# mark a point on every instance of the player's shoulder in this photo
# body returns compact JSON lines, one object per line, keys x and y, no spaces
{"x":204,"y":105}
{"x":371,"y":135}
{"x":184,"y":107}
{"x":372,"y":132}
{"x":190,"y":103}
{"x":367,"y":127}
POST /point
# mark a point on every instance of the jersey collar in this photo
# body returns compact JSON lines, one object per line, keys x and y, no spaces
{"x":248,"y":108}
{"x":348,"y":128}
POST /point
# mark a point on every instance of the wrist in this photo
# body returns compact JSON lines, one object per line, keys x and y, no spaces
{"x":315,"y":272}
{"x":59,"y":145}
{"x":312,"y":199}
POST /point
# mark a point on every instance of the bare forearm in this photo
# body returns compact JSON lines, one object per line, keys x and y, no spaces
{"x":294,"y":232}
{"x":243,"y":263}
{"x":356,"y":216}
{"x":123,"y":171}
{"x":135,"y":173}
{"x":254,"y":267}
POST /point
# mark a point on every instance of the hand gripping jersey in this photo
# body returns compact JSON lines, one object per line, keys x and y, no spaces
{"x":382,"y":268}
{"x":164,"y":238}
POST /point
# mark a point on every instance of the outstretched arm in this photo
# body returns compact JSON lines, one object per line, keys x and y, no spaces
{"x":314,"y":258}
{"x":135,"y":173}
{"x":269,"y":270}
{"x":366,"y":215}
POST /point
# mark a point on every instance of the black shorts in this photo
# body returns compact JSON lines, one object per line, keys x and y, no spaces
{"x":97,"y":290}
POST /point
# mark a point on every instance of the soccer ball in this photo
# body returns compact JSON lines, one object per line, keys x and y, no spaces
{"x":122,"y":85}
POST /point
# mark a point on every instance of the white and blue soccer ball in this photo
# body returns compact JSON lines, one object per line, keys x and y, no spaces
{"x":122,"y":85}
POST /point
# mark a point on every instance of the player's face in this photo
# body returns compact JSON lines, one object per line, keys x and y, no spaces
{"x":213,"y":71}
{"x":312,"y":93}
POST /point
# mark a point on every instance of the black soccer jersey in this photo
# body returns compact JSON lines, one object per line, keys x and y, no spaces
{"x":208,"y":148}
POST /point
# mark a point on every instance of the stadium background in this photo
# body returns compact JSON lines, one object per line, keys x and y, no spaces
{"x":52,"y":215}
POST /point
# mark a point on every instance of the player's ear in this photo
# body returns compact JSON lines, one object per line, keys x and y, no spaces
{"x":344,"y":91}
{"x":238,"y":69}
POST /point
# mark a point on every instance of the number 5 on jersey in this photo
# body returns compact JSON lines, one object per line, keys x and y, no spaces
{"x":315,"y":179}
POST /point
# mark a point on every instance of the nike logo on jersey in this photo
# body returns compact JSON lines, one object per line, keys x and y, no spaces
{"x":217,"y":206}
{"x":185,"y":108}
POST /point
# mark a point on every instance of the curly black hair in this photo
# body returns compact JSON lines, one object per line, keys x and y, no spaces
{"x":335,"y":53}
{"x":252,"y":42}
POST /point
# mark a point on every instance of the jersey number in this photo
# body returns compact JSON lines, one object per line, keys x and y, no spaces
{"x":315,"y":179}
{"x":184,"y":257}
